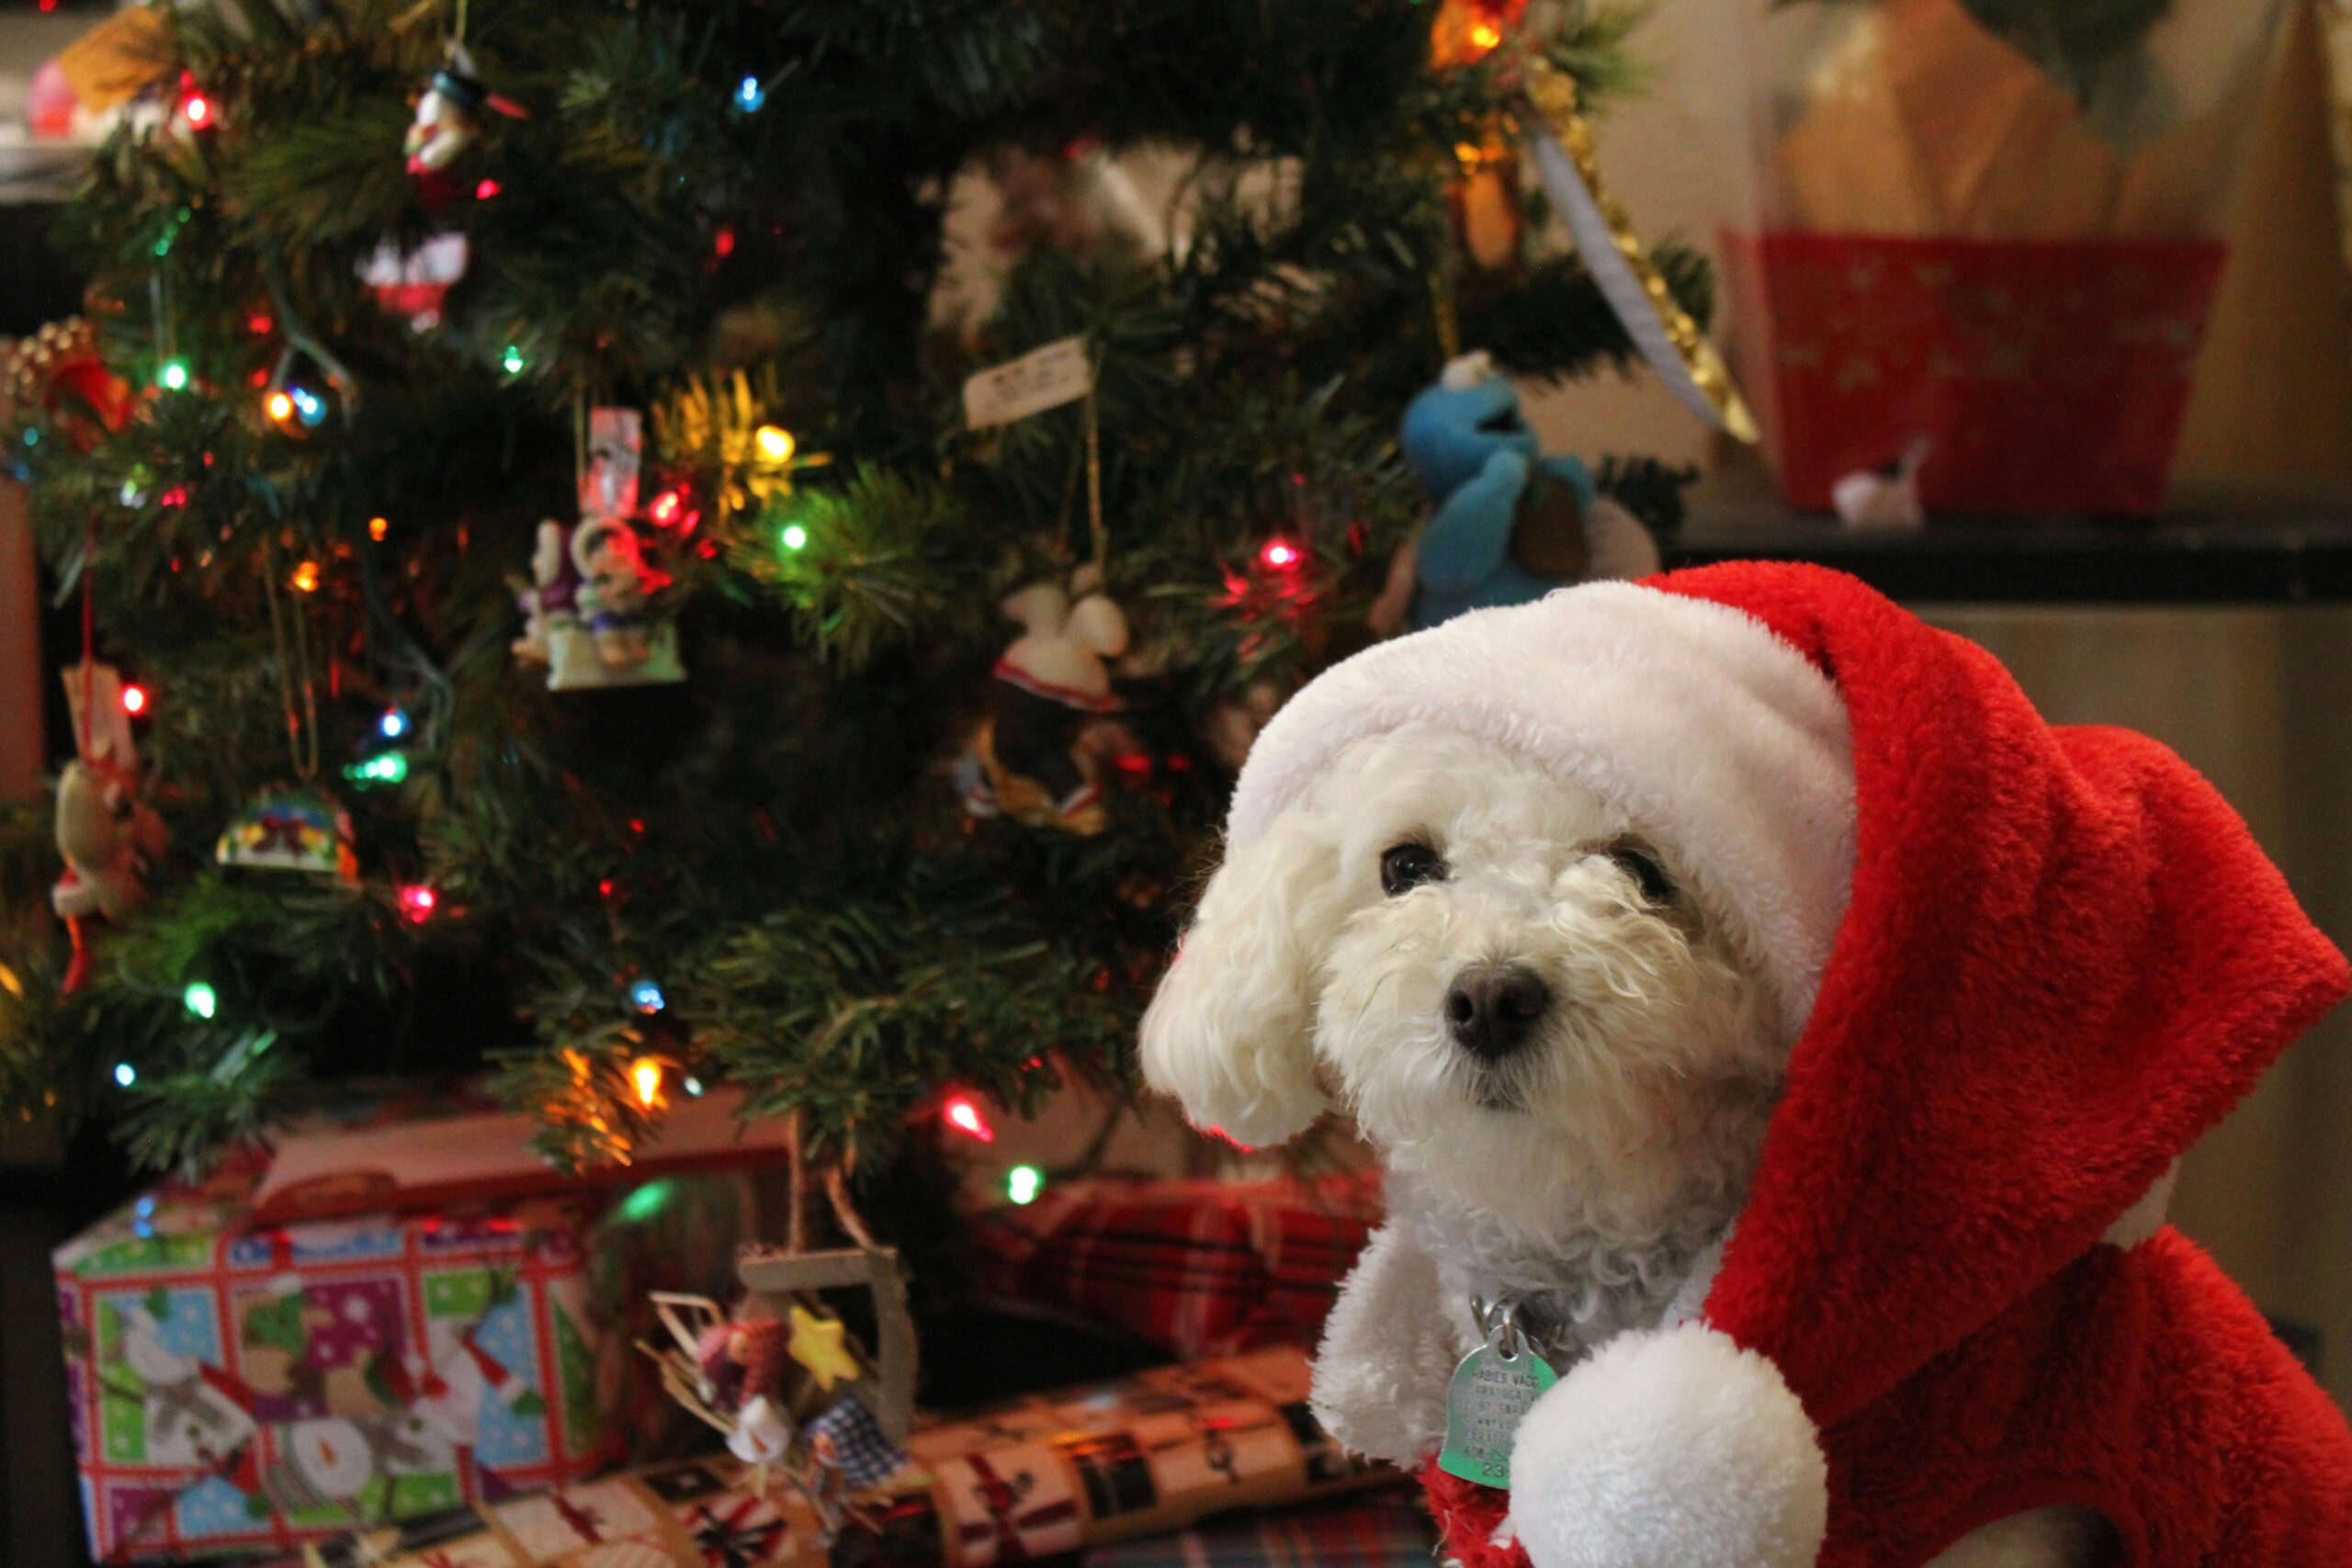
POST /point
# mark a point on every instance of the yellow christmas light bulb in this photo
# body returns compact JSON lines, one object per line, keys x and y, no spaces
{"x":280,"y":407}
{"x":378,"y":527}
{"x":306,"y":578}
{"x":774,"y":444}
{"x":645,"y":1077}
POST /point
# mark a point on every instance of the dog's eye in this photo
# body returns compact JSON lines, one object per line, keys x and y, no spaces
{"x":1406,"y":866}
{"x":1648,"y":876}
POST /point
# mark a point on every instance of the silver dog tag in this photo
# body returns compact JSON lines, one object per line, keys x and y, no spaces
{"x":1490,"y":1394}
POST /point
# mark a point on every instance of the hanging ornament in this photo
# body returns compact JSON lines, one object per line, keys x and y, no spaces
{"x":1074,"y":199}
{"x":290,"y":830}
{"x":1481,"y":199}
{"x":106,"y":833}
{"x":550,"y":600}
{"x":107,"y":837}
{"x":1510,"y":525}
{"x":413,"y":282}
{"x":1029,"y":760}
{"x":586,"y":607}
{"x":449,"y":121}
{"x":615,"y":641}
{"x":57,"y":375}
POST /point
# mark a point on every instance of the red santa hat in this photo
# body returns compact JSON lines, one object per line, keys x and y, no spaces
{"x":2024,"y":968}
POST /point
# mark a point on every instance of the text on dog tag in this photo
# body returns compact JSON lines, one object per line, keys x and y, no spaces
{"x":1488,"y":1397}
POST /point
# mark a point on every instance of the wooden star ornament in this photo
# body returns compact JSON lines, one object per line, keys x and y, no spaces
{"x":820,"y":1344}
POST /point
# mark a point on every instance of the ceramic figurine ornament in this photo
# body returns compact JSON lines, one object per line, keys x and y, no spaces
{"x":1030,"y":760}
{"x":1510,"y":525}
{"x":585,"y":610}
{"x":550,"y":600}
{"x":1782,"y":1044}
{"x":107,"y":834}
{"x":449,"y":121}
{"x":290,"y":830}
{"x":107,"y":837}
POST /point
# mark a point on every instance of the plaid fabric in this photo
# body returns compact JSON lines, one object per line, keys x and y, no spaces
{"x":1383,"y":1529}
{"x":863,"y":1455}
{"x":1199,"y":1268}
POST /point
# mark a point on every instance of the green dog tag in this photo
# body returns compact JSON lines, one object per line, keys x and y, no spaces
{"x":1490,"y":1394}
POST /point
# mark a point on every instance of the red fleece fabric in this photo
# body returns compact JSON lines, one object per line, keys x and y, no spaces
{"x":2064,"y":958}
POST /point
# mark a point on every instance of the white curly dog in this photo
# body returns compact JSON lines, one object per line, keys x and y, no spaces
{"x":1534,"y":1014}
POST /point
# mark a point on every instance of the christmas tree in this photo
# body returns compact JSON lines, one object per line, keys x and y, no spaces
{"x":381,"y":288}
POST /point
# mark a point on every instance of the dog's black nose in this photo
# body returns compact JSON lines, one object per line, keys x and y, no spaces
{"x":1492,"y":1008}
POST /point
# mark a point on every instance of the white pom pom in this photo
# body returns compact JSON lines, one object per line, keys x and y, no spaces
{"x":1467,"y":370}
{"x":1669,"y":1451}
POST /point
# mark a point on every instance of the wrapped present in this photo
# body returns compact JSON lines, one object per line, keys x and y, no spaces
{"x":1989,"y":230}
{"x":1388,"y":1529}
{"x":1054,"y":1474}
{"x":1197,"y":1267}
{"x":238,"y":1388}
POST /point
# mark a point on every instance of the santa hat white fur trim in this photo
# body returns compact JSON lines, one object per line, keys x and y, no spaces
{"x":1670,"y":1450}
{"x":1690,"y":716}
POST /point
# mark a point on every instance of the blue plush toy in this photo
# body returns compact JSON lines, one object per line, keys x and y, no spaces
{"x":1510,"y":525}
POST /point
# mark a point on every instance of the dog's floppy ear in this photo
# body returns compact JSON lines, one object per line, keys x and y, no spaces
{"x":1230,"y":1034}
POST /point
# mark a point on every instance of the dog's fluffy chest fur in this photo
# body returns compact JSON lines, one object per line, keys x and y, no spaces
{"x":1594,"y":1276}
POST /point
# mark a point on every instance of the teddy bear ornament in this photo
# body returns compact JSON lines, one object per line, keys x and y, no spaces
{"x":1510,"y":523}
{"x":1782,"y":1044}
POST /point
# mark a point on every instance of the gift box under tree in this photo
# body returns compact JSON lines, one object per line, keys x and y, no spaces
{"x":236,"y":1388}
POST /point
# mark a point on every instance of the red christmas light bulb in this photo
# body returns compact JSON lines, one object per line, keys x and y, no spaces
{"x":963,"y":1112}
